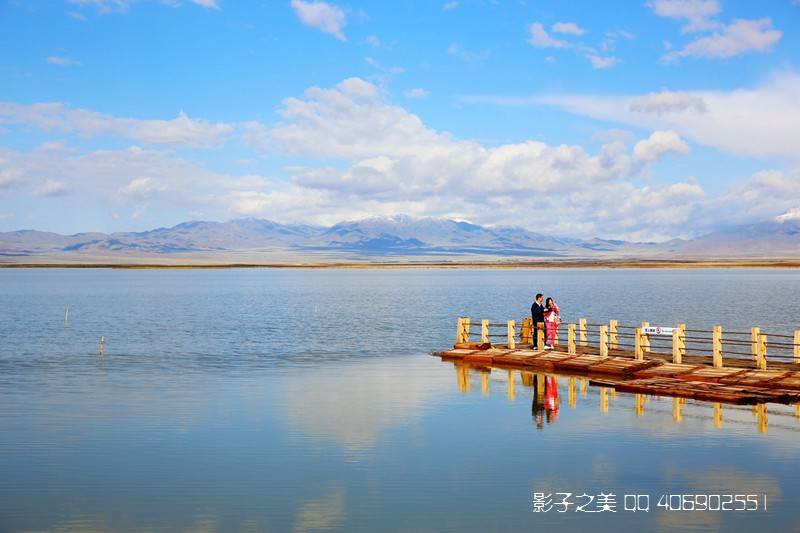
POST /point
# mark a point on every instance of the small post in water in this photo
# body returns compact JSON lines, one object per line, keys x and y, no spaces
{"x":512,"y":330}
{"x":66,"y":316}
{"x":603,"y":341}
{"x":484,"y":331}
{"x":582,"y":331}
{"x":612,"y":334}
{"x":716,"y":346}
{"x":571,"y":339}
{"x":102,"y":349}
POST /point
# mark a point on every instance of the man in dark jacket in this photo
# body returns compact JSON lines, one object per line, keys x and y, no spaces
{"x":537,"y":314}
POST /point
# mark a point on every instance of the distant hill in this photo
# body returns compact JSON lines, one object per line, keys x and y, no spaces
{"x":391,"y":237}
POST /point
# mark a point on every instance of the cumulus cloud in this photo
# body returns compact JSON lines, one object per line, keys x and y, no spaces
{"x":323,"y":16}
{"x":759,"y":121}
{"x":659,"y":144}
{"x":740,"y":37}
{"x":55,"y":116}
{"x":567,"y":27}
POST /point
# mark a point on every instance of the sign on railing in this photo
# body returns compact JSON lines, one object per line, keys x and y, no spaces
{"x":657,"y":330}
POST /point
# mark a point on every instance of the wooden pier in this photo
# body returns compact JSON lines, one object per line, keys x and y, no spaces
{"x":739,"y":368}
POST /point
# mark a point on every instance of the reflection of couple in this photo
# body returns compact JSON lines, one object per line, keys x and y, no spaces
{"x":549,"y":315}
{"x":545,"y":400}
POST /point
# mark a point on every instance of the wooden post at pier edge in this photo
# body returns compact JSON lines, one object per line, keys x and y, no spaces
{"x":612,"y":334}
{"x":754,"y":333}
{"x":460,"y":330}
{"x":762,"y":352}
{"x":571,"y":340}
{"x":603,"y":341}
{"x":484,"y":331}
{"x":716,"y":346}
{"x":512,"y":327}
{"x":582,"y":331}
{"x":637,"y":344}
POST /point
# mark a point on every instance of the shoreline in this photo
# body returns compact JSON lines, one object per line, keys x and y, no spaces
{"x":587,"y":264}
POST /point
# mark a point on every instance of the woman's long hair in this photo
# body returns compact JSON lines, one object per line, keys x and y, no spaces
{"x":548,"y":303}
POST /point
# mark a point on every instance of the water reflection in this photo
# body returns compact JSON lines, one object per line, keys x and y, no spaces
{"x":546,"y":400}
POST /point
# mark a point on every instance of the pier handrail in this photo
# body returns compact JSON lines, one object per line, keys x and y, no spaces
{"x":607,"y":339}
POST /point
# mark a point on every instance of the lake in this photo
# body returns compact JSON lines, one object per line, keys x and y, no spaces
{"x":306,"y":400}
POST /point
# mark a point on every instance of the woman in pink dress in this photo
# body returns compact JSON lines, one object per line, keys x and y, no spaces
{"x":552,"y":318}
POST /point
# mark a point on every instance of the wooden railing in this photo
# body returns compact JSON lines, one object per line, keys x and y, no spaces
{"x":755,"y":344}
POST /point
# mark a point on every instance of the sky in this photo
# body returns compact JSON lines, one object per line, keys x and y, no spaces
{"x":642,"y":120}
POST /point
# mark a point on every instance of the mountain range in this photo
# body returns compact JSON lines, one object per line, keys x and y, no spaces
{"x":376,"y":238}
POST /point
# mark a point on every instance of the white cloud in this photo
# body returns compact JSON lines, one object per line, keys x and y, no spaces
{"x":142,"y":188}
{"x":51,"y":187}
{"x":104,"y":6}
{"x":659,"y":144}
{"x":325,"y":17}
{"x":541,"y":39}
{"x":740,"y":37}
{"x":416,"y":93}
{"x":697,"y":13}
{"x":455,"y":49}
{"x":447,"y":6}
{"x":567,"y":27}
{"x":668,"y":102}
{"x":600,"y":62}
{"x":760,"y":121}
{"x":210,"y":4}
{"x":62,"y":61}
{"x":55,"y":116}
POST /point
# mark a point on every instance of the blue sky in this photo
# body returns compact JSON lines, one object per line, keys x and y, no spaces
{"x":641,"y":120}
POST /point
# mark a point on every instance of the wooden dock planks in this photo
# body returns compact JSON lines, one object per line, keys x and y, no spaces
{"x":652,"y":376}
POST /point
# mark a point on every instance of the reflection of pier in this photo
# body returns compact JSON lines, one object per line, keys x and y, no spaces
{"x":546,"y":398}
{"x":647,"y":368}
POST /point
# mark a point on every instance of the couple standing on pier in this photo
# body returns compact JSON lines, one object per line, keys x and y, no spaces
{"x":549,"y":315}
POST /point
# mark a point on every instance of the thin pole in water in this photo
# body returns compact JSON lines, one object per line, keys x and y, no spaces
{"x":102,"y":346}
{"x":66,"y":316}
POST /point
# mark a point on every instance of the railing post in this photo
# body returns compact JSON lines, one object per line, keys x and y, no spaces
{"x":638,"y":349}
{"x":526,"y":335}
{"x":754,"y":333}
{"x":460,"y":330}
{"x":612,"y":334}
{"x":540,"y":334}
{"x":645,"y":338}
{"x":677,"y":345}
{"x":797,"y":346}
{"x":762,"y":352}
{"x":484,"y":331}
{"x":571,"y":339}
{"x":603,"y":341}
{"x":512,"y":331}
{"x":582,"y":332}
{"x":716,"y":346}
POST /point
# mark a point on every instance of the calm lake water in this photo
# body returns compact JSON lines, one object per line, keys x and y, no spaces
{"x":300,"y":400}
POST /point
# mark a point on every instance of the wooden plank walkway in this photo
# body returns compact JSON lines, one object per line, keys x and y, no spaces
{"x":694,"y":378}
